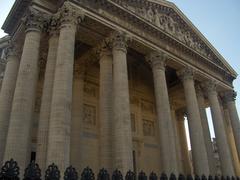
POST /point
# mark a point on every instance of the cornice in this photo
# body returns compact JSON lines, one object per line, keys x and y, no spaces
{"x":14,"y":16}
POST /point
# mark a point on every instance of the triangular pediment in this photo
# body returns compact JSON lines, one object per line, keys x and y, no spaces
{"x":166,"y":16}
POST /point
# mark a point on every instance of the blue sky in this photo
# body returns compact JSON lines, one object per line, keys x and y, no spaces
{"x":218,"y":20}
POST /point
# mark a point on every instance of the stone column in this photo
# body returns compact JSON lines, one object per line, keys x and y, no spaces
{"x":61,"y":107}
{"x":230,"y":137}
{"x":122,"y":136}
{"x":77,"y":148}
{"x":206,"y":131}
{"x":231,"y":106}
{"x":20,"y":126}
{"x":199,"y":153}
{"x":174,"y":130}
{"x":221,"y":138}
{"x":105,"y":104}
{"x":43,"y":127}
{"x":183,"y":142}
{"x":168,"y":148}
{"x":6,"y":96}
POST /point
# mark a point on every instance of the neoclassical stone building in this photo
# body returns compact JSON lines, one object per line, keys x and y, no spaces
{"x":107,"y":83}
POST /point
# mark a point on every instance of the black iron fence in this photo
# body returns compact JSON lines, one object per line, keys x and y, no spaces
{"x":11,"y":171}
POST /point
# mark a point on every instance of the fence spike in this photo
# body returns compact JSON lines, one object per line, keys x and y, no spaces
{"x":103,"y":175}
{"x":189,"y":177}
{"x":181,"y":177}
{"x":163,"y":176}
{"x":204,"y":177}
{"x":10,"y":171}
{"x":32,"y":172}
{"x":87,"y":174}
{"x":153,"y":176}
{"x":130,"y":175}
{"x":52,"y":172}
{"x":142,"y":176}
{"x":117,"y":175}
{"x":172,"y":177}
{"x":70,"y":174}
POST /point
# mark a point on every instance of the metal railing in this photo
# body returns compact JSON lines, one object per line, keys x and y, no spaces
{"x":11,"y":171}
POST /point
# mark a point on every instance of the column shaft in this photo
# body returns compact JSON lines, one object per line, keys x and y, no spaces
{"x":200,"y":160}
{"x":122,"y":136}
{"x":61,"y":107}
{"x":221,"y":138}
{"x":77,"y":148}
{"x":105,"y":104}
{"x":184,"y":146}
{"x":168,"y":148}
{"x":230,"y":98}
{"x":231,"y":141}
{"x":45,"y":110}
{"x":6,"y":97}
{"x":19,"y":132}
{"x":206,"y":132}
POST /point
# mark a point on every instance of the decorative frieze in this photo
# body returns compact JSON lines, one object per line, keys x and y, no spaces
{"x":170,"y":22}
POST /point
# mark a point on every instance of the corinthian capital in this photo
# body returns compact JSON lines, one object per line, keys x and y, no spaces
{"x":157,"y":60}
{"x":34,"y":20}
{"x":210,"y":86}
{"x":230,"y":96}
{"x":12,"y":50}
{"x":68,"y":14}
{"x":119,"y":41}
{"x":186,"y":74}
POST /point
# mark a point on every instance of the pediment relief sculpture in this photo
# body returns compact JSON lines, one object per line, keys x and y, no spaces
{"x":171,"y":23}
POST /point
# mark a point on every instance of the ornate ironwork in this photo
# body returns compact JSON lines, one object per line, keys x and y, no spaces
{"x":181,"y":177}
{"x":52,"y":173}
{"x":163,"y":176}
{"x":204,"y":177}
{"x":87,"y":174}
{"x":142,"y":176}
{"x":197,"y":177}
{"x":103,"y":175}
{"x":117,"y":175}
{"x":172,"y":177}
{"x":10,"y":171}
{"x":130,"y":175}
{"x":153,"y":176}
{"x":32,"y":172}
{"x":70,"y":174}
{"x":189,"y":177}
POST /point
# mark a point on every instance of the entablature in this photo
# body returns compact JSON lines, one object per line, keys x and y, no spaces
{"x":144,"y":31}
{"x":167,"y":31}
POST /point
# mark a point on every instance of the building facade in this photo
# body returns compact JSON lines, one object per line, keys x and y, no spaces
{"x":107,"y":83}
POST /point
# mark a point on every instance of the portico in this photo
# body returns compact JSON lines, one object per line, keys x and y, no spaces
{"x":112,"y":76}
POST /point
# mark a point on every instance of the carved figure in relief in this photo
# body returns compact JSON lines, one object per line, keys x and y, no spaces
{"x":168,"y":24}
